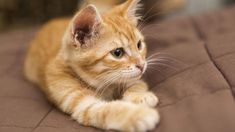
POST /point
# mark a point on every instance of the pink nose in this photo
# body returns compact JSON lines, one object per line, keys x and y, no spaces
{"x":141,"y":67}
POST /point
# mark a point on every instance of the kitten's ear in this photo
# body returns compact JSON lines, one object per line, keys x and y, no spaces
{"x":131,"y":8}
{"x":85,"y":25}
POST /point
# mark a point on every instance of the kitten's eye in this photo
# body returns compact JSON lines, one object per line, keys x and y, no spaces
{"x":118,"y":53}
{"x":139,"y":45}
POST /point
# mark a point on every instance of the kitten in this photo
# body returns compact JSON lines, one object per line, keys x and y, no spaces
{"x":94,"y":72}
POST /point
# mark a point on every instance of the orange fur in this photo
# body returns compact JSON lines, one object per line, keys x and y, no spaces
{"x":72,"y":61}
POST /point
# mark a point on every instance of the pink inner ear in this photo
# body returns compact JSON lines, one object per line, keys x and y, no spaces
{"x":83,"y":30}
{"x":84,"y":20}
{"x":85,"y":23}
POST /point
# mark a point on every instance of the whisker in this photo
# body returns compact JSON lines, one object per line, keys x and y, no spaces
{"x":163,"y":64}
{"x":160,"y":60}
{"x":167,"y":60}
{"x":164,"y":57}
{"x":150,"y":25}
{"x":155,"y":69}
{"x":147,"y":19}
{"x":156,"y":54}
{"x":156,"y":14}
{"x":110,"y":82}
{"x":106,"y":83}
{"x":147,"y":12}
{"x":173,"y":59}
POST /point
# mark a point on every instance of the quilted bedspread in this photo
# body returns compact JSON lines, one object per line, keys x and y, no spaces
{"x":196,"y":88}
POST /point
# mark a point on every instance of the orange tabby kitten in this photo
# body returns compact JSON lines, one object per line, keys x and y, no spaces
{"x":94,"y":72}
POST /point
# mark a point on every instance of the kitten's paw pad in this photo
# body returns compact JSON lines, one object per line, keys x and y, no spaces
{"x":144,"y":120}
{"x":146,"y":98}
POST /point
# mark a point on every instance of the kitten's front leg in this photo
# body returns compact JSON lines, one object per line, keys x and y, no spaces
{"x":139,"y":94}
{"x":84,"y":106}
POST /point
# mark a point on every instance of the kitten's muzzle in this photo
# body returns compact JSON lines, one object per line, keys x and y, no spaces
{"x":140,"y":67}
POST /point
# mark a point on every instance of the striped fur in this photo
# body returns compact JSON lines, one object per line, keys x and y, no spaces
{"x":80,"y":75}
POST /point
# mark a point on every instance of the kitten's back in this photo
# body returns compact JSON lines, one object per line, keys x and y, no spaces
{"x":43,"y":48}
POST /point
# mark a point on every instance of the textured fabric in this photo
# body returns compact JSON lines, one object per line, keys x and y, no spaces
{"x":196,"y":91}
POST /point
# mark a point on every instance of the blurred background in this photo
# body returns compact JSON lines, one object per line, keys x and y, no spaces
{"x":18,"y":13}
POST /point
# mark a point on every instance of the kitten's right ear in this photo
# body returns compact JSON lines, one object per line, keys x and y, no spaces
{"x":130,"y":8}
{"x":85,"y":25}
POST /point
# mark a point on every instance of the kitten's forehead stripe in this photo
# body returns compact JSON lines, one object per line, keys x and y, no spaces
{"x":124,"y":40}
{"x":126,"y":28}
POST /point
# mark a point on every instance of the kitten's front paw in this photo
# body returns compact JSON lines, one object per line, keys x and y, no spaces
{"x":145,"y":98}
{"x":145,"y":120}
{"x":133,"y":118}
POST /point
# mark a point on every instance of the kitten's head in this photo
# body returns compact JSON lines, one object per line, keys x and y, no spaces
{"x":106,"y":48}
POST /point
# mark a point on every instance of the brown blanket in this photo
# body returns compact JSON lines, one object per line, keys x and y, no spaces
{"x":196,"y":88}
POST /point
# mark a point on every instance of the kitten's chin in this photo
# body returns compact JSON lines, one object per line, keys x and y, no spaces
{"x":139,"y":77}
{"x":133,"y":77}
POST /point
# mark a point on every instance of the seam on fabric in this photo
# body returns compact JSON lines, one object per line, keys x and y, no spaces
{"x":225,"y":55}
{"x":38,"y":124}
{"x":21,"y":98}
{"x":202,"y":37}
{"x":16,"y":126}
{"x":194,"y":95}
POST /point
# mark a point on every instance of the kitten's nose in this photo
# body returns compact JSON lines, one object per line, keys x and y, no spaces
{"x":140,"y":66}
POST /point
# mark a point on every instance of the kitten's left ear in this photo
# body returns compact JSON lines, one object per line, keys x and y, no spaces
{"x":130,"y":9}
